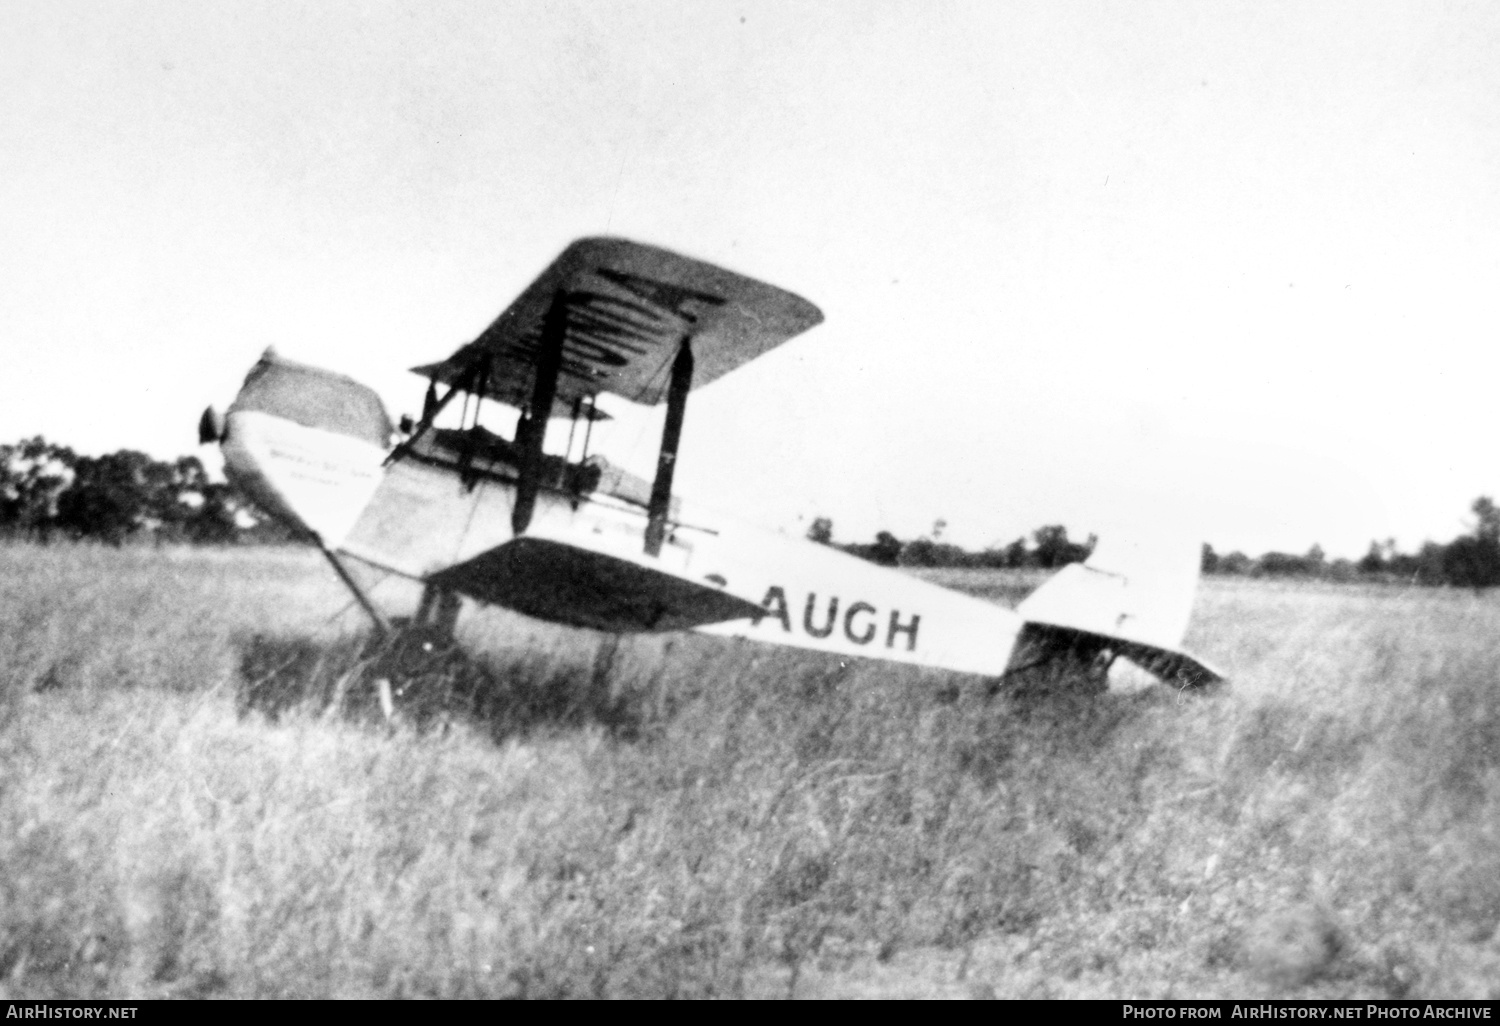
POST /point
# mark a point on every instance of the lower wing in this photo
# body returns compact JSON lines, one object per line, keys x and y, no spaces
{"x":569,"y":584}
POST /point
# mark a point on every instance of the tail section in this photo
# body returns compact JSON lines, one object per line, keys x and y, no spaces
{"x":306,"y":444}
{"x":1128,"y":599}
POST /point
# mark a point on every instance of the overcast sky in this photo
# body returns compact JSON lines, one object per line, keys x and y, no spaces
{"x":1232,"y":264}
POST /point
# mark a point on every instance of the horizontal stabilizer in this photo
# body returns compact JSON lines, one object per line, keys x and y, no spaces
{"x":1130,"y":599}
{"x":1061,"y":648}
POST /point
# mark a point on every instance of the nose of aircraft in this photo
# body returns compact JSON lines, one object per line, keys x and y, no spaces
{"x":306,"y":444}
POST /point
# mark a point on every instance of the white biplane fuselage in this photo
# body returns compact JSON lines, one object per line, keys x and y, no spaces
{"x":584,"y":544}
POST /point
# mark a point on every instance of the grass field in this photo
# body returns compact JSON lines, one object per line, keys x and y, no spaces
{"x":199,"y":797}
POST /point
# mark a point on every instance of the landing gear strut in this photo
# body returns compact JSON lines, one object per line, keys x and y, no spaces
{"x":437,"y":612}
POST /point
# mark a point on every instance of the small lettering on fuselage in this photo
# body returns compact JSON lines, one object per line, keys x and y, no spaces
{"x":860,"y":621}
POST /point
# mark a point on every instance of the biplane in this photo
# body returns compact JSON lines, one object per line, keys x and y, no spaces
{"x":577,"y":540}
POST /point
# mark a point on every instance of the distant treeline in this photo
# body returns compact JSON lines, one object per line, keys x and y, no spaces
{"x":1048,"y":548}
{"x":1468,"y":561}
{"x":48,"y":492}
{"x":1471,"y":560}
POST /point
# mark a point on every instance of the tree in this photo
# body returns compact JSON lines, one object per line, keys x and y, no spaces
{"x":918,"y":552}
{"x":1488,"y":515}
{"x":1053,"y":549}
{"x":34,"y":474}
{"x":887,"y":549}
{"x":1016,"y":554}
{"x":821,"y":531}
{"x":1473,"y":560}
{"x":1428,"y":564}
{"x":1236,"y":563}
{"x":1208,"y":561}
{"x":110,"y":497}
{"x":1281,"y":564}
{"x":214,"y":520}
{"x":991,"y":559}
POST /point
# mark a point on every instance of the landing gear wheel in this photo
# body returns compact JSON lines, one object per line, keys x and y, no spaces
{"x":416,"y":665}
{"x":1096,"y":677}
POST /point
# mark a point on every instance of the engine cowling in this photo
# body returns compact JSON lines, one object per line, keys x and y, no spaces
{"x":307,"y":444}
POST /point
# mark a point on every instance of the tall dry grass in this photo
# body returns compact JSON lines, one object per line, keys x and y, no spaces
{"x":198,"y":796}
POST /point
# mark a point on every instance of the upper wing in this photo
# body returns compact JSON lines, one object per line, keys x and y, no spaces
{"x":628,"y":308}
